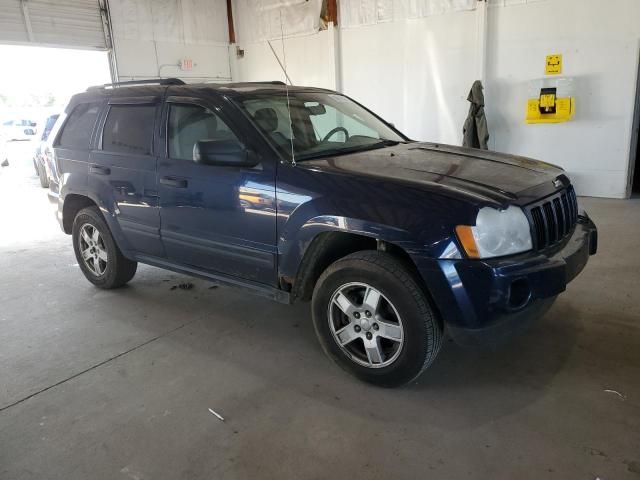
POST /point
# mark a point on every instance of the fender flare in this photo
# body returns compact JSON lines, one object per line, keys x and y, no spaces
{"x":109,"y":215}
{"x":294,"y":244}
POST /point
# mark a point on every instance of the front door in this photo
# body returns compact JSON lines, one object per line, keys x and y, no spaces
{"x":214,"y":218}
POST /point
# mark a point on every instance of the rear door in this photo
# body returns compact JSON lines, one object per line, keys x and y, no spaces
{"x":215,"y":218}
{"x":122,"y":171}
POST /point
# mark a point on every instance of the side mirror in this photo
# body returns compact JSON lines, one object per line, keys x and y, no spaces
{"x":223,"y":153}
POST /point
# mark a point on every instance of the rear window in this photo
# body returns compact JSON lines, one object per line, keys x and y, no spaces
{"x":76,"y":133}
{"x":129,"y":129}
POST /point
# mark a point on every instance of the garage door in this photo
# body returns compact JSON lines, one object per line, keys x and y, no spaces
{"x":63,"y":23}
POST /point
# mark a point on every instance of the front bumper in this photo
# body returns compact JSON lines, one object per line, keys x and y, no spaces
{"x":488,"y":301}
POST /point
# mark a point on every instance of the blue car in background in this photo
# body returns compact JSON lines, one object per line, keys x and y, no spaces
{"x":302,"y":194}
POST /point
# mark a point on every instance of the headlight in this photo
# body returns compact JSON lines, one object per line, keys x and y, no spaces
{"x":496,"y":233}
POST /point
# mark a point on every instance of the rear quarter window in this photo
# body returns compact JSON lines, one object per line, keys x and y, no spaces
{"x":129,"y":129}
{"x":76,"y":133}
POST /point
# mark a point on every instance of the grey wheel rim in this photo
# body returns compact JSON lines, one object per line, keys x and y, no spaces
{"x":365,"y":325}
{"x":93,"y":249}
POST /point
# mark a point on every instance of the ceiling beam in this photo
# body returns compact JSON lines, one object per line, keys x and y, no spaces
{"x":332,"y":12}
{"x":232,"y":32}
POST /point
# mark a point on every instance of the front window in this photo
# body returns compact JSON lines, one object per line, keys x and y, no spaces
{"x":190,"y":124}
{"x":321,"y":124}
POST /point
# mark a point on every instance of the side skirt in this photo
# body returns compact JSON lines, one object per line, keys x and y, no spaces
{"x":252,"y":287}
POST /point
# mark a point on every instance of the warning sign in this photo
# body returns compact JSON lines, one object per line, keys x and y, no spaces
{"x":553,"y":65}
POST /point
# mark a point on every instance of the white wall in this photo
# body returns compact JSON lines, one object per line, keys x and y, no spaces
{"x":414,"y":73}
{"x":152,"y":36}
{"x":600,"y":42}
{"x":417,"y":73}
{"x":308,"y":59}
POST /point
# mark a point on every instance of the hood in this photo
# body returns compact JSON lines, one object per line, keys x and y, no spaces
{"x":487,"y":176}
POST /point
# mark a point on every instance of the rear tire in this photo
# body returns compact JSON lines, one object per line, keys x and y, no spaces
{"x":42,"y":175}
{"x":374,"y":320}
{"x":98,"y":256}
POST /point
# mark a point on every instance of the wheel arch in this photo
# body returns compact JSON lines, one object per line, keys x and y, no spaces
{"x":330,"y":245}
{"x":75,"y":202}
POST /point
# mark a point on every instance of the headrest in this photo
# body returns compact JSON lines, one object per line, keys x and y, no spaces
{"x":267,"y":119}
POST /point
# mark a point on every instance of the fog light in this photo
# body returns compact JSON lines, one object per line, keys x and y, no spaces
{"x":519,"y":293}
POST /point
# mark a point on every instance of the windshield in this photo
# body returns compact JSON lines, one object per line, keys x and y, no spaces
{"x":321,"y":124}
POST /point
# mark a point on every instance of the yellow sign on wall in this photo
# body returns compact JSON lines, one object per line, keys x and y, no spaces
{"x":553,"y":66}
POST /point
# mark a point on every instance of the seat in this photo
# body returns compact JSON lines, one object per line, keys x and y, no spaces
{"x":267,"y":120}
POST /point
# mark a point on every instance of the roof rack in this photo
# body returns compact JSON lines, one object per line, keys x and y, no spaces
{"x":131,"y":83}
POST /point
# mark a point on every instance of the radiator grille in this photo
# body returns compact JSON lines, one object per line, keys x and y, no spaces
{"x":554,"y":218}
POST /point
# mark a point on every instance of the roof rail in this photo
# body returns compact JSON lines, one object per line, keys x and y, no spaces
{"x":132,"y":83}
{"x":267,"y":82}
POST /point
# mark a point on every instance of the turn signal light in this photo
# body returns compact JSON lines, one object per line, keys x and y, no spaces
{"x":465,"y":235}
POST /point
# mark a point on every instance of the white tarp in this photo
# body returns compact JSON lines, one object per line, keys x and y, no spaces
{"x":259,"y":20}
{"x":177,"y":21}
{"x":354,"y":13}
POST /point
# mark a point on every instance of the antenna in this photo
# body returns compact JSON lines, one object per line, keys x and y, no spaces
{"x":286,"y":88}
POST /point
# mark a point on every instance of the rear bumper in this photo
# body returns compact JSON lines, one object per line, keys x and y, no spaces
{"x":486,"y":302}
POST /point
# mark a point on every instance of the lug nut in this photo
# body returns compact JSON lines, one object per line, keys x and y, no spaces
{"x":375,"y":326}
{"x":357,"y":328}
{"x":356,"y":315}
{"x":369,"y":336}
{"x":367,"y":313}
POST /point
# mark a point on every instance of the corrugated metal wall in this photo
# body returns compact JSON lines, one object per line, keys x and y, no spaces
{"x":63,"y":23}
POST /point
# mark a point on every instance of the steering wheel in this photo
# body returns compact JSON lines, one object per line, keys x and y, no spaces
{"x":334,"y":131}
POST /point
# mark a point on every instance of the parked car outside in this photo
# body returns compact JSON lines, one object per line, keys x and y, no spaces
{"x":21,"y":129}
{"x":302,"y":194}
{"x":42,"y":157}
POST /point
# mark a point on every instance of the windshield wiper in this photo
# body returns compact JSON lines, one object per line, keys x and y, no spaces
{"x":343,"y":151}
{"x":389,"y":143}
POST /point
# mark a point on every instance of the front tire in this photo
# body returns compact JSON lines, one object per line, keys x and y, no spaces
{"x":374,"y":320}
{"x":98,"y":256}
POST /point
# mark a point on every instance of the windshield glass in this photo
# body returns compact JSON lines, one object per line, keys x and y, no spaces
{"x":321,"y":124}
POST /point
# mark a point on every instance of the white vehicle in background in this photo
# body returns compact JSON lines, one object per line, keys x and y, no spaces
{"x":42,"y":158}
{"x":22,"y":129}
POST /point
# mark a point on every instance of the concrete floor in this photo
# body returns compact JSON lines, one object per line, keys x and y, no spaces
{"x":118,"y":384}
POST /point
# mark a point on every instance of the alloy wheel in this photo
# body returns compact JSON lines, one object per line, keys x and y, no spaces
{"x":93,"y":249}
{"x":365,"y":325}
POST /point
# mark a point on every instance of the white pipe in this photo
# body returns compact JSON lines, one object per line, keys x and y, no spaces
{"x":481,"y":40}
{"x":335,"y":47}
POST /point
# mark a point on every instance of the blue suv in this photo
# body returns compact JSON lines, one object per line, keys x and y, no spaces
{"x":302,"y":194}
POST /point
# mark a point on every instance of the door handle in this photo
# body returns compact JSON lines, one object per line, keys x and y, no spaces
{"x":100,"y":170}
{"x":174,"y":182}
